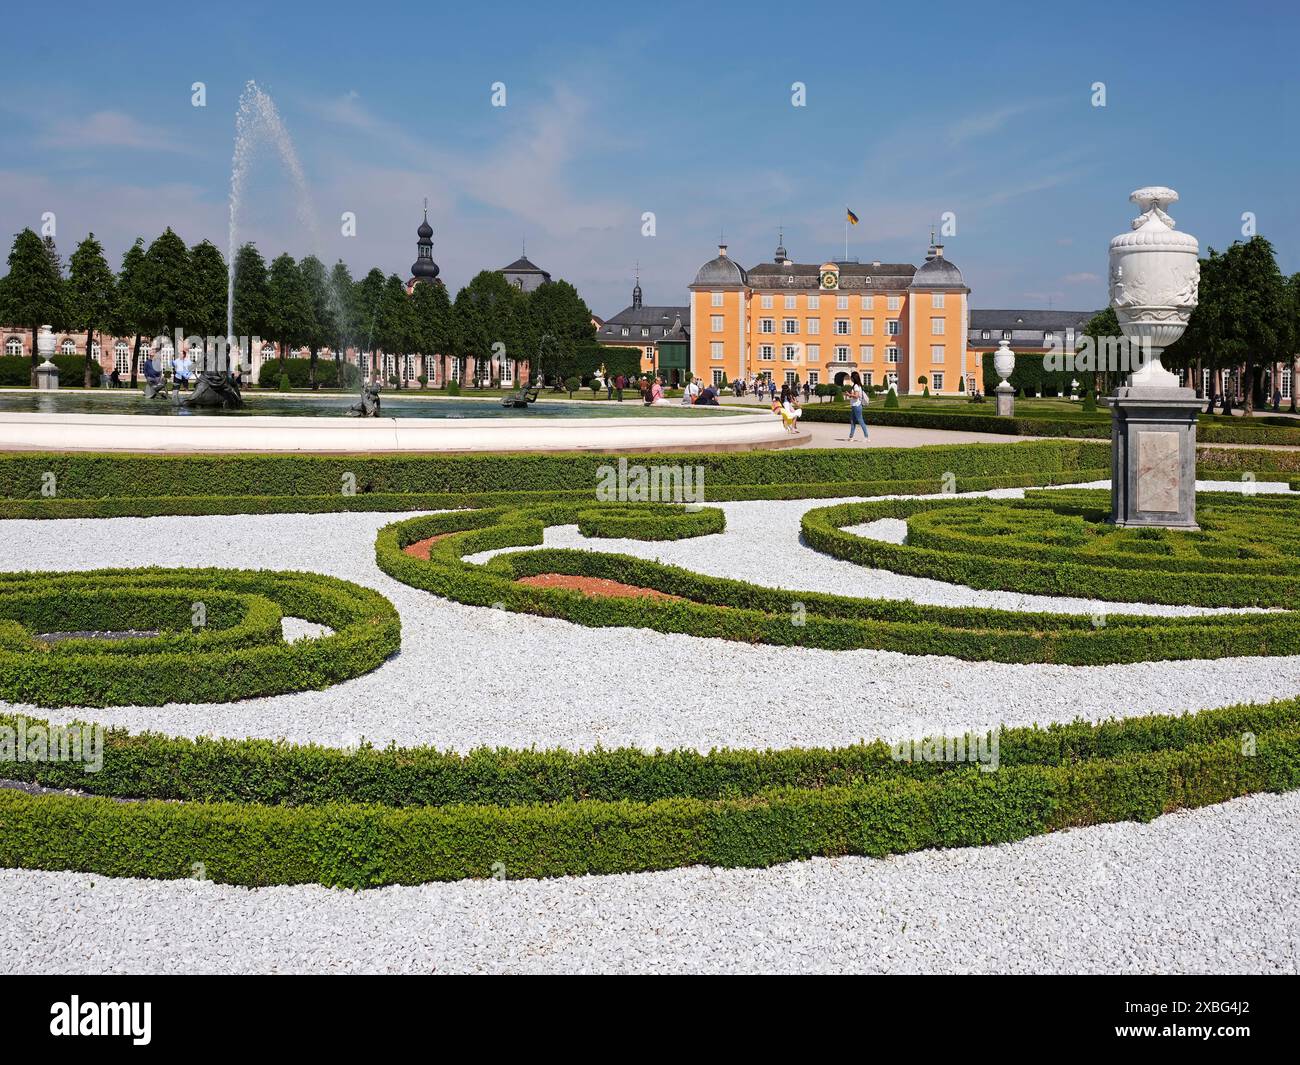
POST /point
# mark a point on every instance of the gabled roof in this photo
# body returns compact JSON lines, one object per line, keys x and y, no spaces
{"x":659,"y":320}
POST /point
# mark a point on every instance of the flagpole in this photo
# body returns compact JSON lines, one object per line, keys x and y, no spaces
{"x":846,"y":235}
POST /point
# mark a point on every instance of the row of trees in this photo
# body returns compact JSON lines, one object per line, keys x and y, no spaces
{"x":295,"y":303}
{"x":1247,"y":317}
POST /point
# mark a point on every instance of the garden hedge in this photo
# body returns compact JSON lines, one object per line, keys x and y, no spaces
{"x":722,"y":608}
{"x":530,"y":814}
{"x":218,"y":635}
{"x":1059,"y":543}
{"x":66,"y":485}
{"x":1069,"y":424}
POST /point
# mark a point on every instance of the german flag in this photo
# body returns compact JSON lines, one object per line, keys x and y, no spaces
{"x":853,"y":219}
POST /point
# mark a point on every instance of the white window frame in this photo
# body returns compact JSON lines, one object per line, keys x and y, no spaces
{"x":892,"y":327}
{"x":937,"y":327}
{"x":842,"y":327}
{"x":867,"y":327}
{"x":814,"y":352}
{"x":866,"y":353}
{"x":716,"y":323}
{"x":936,"y":300}
{"x":716,"y":298}
{"x":936,"y":353}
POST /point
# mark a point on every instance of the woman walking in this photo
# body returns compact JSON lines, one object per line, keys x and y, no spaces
{"x":857,"y":400}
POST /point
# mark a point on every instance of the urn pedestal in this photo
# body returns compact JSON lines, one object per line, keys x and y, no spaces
{"x":1154,"y":273}
{"x":1153,"y":457}
{"x":47,"y":374}
{"x":1005,"y":397}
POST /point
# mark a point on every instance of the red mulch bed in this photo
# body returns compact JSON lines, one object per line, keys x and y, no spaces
{"x":420,"y":549}
{"x":595,"y":586}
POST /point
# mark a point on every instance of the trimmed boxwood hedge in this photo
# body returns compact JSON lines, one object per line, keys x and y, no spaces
{"x":1058,"y":543}
{"x":729,"y":809}
{"x":238,"y":652}
{"x":141,"y":485}
{"x":1209,"y":429}
{"x":737,"y":610}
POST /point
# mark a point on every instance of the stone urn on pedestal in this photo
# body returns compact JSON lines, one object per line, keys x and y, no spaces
{"x":47,"y":374}
{"x":1154,"y":273}
{"x":1004,"y":362}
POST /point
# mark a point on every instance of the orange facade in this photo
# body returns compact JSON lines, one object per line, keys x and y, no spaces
{"x":892,"y":323}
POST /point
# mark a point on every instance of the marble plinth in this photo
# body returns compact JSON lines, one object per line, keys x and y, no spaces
{"x":1005,"y":397}
{"x":1153,"y":457}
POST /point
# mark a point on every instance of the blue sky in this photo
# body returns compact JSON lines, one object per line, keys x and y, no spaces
{"x":680,"y":109}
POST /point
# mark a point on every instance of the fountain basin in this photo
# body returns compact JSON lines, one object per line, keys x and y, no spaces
{"x":208,"y":434}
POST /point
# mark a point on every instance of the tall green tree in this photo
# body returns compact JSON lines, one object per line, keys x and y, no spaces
{"x":251,"y":295}
{"x":395,"y":329}
{"x":171,"y":292}
{"x":487,"y":312}
{"x":290,"y":314}
{"x":130,"y":316}
{"x":33,"y":292}
{"x":211,"y":281}
{"x":367,"y":296}
{"x":433,"y":326}
{"x":556,"y":310}
{"x":323,"y":328}
{"x":92,"y":295}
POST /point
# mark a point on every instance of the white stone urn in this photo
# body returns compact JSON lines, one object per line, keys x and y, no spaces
{"x":1004,"y":360}
{"x":47,"y":374}
{"x":1154,"y":274}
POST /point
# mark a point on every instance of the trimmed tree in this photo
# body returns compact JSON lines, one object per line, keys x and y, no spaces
{"x":91,"y":294}
{"x":130,"y":314}
{"x":211,"y":287}
{"x":290,"y":314}
{"x":33,"y":292}
{"x":324,"y":328}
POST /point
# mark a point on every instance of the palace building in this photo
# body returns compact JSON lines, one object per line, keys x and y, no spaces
{"x":640,"y":326}
{"x":893,"y":323}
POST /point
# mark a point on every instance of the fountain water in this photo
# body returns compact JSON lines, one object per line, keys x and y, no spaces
{"x":257,"y":125}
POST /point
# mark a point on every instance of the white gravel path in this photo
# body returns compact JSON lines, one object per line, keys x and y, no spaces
{"x":1210,"y":890}
{"x":469,"y":676}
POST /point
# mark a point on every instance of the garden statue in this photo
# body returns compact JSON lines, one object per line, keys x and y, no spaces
{"x":215,"y":388}
{"x":368,"y":407}
{"x":1154,"y":274}
{"x":1004,"y":362}
{"x":47,"y":374}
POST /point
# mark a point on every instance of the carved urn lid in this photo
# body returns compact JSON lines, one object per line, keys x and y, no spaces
{"x":1153,"y":229}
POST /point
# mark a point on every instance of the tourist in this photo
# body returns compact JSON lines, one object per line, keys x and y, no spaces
{"x":115,"y":378}
{"x":620,"y":382}
{"x":1277,"y":400}
{"x":857,"y":398}
{"x":807,"y":392}
{"x":609,"y":387}
{"x":183,"y":370}
{"x":657,"y":394}
{"x":792,"y":413}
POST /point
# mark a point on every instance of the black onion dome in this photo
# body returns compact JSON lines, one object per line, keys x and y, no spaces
{"x":424,"y":268}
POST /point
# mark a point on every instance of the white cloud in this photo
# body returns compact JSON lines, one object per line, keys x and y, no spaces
{"x":107,"y":129}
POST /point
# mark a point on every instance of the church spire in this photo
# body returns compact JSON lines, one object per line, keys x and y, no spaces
{"x":424,"y":268}
{"x":781,"y":254}
{"x":636,"y":289}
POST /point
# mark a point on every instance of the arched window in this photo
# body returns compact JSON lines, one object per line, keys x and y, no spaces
{"x":95,"y":349}
{"x":268,"y":352}
{"x":68,"y":347}
{"x":122,"y":357}
{"x":13,"y":346}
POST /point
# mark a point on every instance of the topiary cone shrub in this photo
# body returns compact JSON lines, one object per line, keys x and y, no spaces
{"x":891,"y":400}
{"x":284,"y":382}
